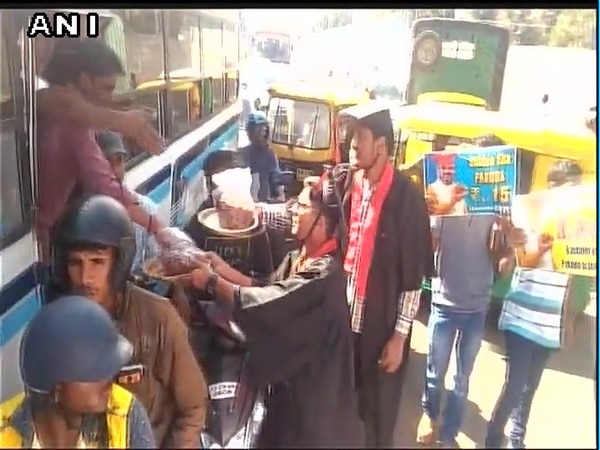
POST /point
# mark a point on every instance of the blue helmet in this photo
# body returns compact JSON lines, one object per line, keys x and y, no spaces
{"x":95,"y":220}
{"x":71,"y":339}
{"x":256,"y":118}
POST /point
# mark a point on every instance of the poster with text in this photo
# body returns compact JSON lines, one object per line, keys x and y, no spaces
{"x":472,"y":181}
{"x":560,"y":224}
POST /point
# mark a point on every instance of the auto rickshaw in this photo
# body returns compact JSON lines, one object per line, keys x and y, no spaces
{"x":183,"y":87}
{"x":437,"y":126}
{"x":433,"y":126}
{"x":303,"y":119}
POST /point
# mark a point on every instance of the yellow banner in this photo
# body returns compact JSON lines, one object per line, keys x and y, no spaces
{"x":568,"y":215}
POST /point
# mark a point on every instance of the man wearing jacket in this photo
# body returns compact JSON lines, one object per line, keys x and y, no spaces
{"x":65,"y":341}
{"x":387,"y":257}
{"x":94,"y":251}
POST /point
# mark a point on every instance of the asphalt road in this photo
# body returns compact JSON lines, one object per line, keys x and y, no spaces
{"x":563,"y":414}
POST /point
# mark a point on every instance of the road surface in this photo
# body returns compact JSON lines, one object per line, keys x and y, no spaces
{"x":563,"y":414}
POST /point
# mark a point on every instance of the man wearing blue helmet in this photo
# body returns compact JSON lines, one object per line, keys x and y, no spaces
{"x":261,"y":160}
{"x":71,"y":351}
{"x":95,"y":247}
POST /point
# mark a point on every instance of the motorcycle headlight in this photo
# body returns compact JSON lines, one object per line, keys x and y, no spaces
{"x":246,"y":436}
{"x":207,"y":441}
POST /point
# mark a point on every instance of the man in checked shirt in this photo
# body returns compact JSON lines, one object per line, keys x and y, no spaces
{"x":388,"y":253}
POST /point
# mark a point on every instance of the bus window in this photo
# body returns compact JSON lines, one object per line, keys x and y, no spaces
{"x":231,"y":48}
{"x":114,"y":36}
{"x":211,"y":37}
{"x":15,"y":190}
{"x":143,"y":63}
{"x":275,"y":47}
{"x":184,"y":68}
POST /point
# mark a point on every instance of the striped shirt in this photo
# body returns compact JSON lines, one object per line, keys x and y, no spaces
{"x":275,"y":216}
{"x":535,"y":306}
{"x":145,"y":244}
{"x":408,"y":302}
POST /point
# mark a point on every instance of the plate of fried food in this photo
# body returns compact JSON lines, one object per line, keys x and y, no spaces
{"x":178,"y":257}
{"x":232,"y":216}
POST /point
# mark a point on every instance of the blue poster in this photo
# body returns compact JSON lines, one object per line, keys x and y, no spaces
{"x":470,"y":181}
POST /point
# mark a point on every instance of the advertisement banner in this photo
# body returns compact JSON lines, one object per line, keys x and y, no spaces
{"x":471,"y":181}
{"x":565,"y":218}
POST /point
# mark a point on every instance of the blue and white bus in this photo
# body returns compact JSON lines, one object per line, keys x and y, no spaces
{"x":182,"y":66}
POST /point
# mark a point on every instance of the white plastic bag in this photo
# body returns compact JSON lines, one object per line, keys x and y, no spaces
{"x":233,"y":199}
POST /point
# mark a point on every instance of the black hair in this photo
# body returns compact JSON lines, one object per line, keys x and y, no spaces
{"x":558,"y":172}
{"x":222,"y":160}
{"x":324,"y":200}
{"x":574,"y":169}
{"x":87,"y":247}
{"x":90,"y":56}
{"x":383,"y":131}
{"x":488,"y":140}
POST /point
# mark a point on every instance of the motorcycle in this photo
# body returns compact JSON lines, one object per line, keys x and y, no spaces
{"x":236,"y":408}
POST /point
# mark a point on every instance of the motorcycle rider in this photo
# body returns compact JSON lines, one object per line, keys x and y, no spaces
{"x":261,"y":159}
{"x":95,"y":248}
{"x":298,"y":334}
{"x":70,"y":353}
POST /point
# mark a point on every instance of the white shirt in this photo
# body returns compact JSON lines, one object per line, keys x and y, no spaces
{"x":36,"y":443}
{"x":444,"y":194}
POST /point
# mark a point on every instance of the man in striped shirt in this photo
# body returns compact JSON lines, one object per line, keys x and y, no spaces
{"x":387,"y":257}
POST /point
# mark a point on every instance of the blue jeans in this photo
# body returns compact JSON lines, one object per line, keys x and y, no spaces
{"x":525,"y":363}
{"x":449,"y":328}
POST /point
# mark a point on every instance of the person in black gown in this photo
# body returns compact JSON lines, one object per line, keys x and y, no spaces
{"x":298,"y":333}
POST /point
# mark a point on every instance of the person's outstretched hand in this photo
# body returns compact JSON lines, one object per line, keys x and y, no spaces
{"x":138,"y":128}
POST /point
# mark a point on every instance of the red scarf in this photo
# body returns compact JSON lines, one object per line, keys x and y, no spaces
{"x":363,"y":253}
{"x":327,"y":247}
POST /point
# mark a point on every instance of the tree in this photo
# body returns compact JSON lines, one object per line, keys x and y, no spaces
{"x":421,"y":13}
{"x":333,"y":20}
{"x":485,"y":14}
{"x":574,"y":28}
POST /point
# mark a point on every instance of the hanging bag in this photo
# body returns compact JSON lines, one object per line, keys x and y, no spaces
{"x":536,"y":306}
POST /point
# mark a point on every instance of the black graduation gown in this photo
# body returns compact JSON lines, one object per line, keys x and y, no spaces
{"x":300,"y":342}
{"x":402,"y":257}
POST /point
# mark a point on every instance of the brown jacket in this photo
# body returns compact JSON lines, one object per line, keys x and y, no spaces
{"x":173,"y":388}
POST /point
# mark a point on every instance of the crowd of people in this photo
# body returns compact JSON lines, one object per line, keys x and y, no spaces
{"x":107,"y":363}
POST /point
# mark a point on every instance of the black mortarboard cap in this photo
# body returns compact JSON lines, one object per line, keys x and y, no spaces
{"x":375,"y":116}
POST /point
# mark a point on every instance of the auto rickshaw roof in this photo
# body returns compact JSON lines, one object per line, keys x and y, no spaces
{"x":322,"y":92}
{"x":365,"y":109}
{"x":530,"y":133}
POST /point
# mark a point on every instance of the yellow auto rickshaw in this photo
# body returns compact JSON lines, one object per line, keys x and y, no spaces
{"x":436,"y":126}
{"x":303,"y":120}
{"x":433,"y":126}
{"x":185,"y":92}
